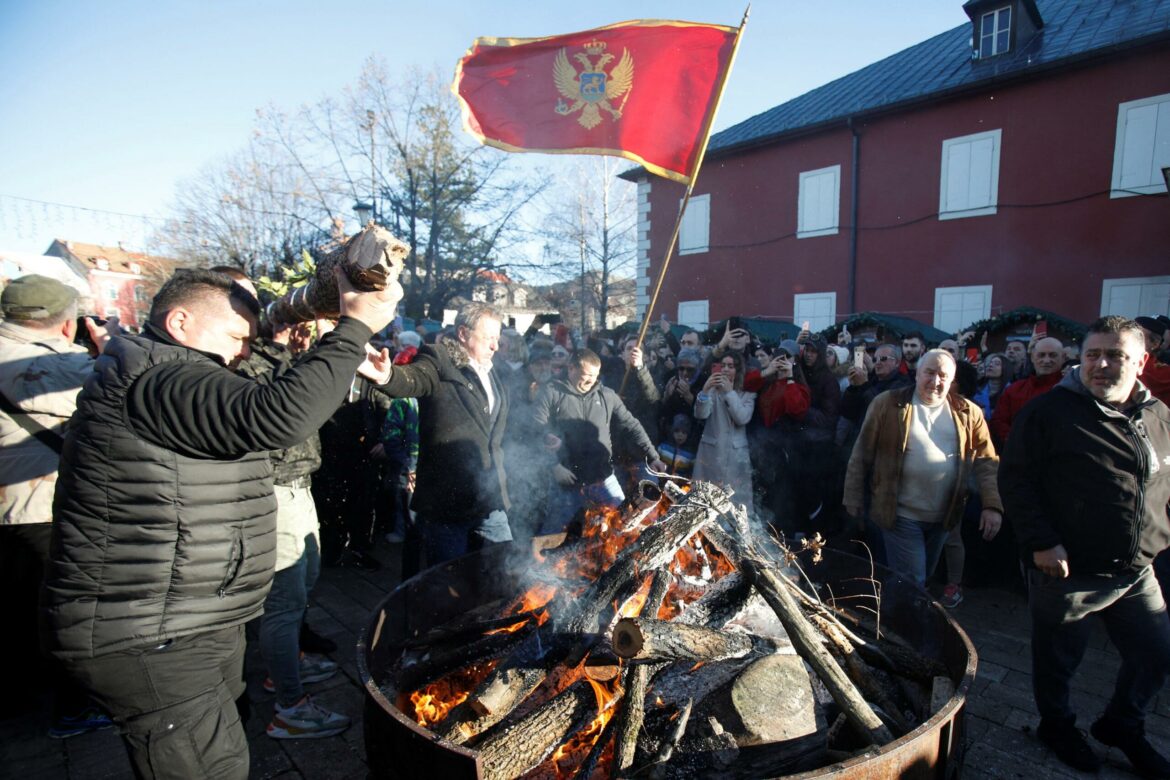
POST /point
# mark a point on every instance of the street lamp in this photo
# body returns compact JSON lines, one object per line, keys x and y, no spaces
{"x":364,"y":212}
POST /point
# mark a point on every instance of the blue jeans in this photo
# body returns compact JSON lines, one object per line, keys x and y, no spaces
{"x":447,"y":540}
{"x":1131,"y":607}
{"x":280,"y":627}
{"x":565,"y":502}
{"x":913,"y":548}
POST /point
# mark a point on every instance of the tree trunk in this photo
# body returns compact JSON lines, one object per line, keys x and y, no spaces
{"x":644,"y":639}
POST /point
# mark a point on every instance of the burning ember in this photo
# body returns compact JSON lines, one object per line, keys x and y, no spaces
{"x":631,"y":642}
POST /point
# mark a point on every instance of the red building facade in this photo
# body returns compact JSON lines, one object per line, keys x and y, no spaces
{"x":1001,"y":190}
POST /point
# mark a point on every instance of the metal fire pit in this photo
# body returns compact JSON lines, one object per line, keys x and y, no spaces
{"x":396,"y":746}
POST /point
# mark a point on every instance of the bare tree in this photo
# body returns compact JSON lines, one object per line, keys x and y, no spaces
{"x":592,"y":218}
{"x":395,"y":140}
{"x":252,"y":210}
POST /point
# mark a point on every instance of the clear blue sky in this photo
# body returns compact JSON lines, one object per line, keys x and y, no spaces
{"x":111,"y":104}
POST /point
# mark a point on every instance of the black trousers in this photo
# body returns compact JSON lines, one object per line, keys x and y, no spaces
{"x":24,"y":552}
{"x":175,"y":704}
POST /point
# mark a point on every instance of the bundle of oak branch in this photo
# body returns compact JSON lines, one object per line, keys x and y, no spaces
{"x":757,"y":676}
{"x":371,"y":259}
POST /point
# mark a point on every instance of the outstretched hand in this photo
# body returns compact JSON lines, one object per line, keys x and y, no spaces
{"x":377,"y":366}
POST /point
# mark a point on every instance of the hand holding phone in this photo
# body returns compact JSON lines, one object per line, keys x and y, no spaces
{"x":859,"y":358}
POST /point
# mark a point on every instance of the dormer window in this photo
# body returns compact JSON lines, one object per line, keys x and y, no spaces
{"x":1002,"y":26}
{"x":102,"y":264}
{"x":995,"y":32}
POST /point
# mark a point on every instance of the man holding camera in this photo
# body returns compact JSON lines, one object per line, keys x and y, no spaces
{"x":41,"y":370}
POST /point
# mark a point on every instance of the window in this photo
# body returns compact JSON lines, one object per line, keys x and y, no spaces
{"x":970,"y":176}
{"x":819,"y":309}
{"x":820,"y":202}
{"x":479,"y":295}
{"x":1143,"y":146}
{"x":694,"y":314}
{"x":957,"y":307}
{"x":995,"y":32}
{"x":693,"y":235}
{"x":111,"y":292}
{"x":1142,"y":295}
{"x":520,"y":298}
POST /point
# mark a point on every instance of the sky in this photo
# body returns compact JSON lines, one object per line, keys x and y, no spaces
{"x":107,"y":107}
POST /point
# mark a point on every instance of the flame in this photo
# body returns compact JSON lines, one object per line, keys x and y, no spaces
{"x":508,"y":629}
{"x":634,"y":604}
{"x":433,"y":702}
{"x":569,"y":756}
{"x":697,"y":564}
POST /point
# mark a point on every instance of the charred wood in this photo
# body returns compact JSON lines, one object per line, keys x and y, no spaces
{"x":415,"y":672}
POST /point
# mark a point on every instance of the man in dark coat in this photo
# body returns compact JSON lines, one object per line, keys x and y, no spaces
{"x":461,"y":493}
{"x":164,"y":534}
{"x":1086,"y":479}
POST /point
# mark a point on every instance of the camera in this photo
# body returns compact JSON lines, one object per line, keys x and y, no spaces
{"x":82,"y":337}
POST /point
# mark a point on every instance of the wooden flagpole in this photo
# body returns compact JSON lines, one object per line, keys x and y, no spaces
{"x":690,"y":188}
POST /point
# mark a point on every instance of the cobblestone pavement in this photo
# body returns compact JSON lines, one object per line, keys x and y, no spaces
{"x":1000,"y":726}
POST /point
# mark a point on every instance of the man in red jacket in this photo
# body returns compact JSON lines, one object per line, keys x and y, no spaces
{"x":1047,"y":358}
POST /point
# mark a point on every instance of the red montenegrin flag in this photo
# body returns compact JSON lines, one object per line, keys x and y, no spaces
{"x":642,"y":90}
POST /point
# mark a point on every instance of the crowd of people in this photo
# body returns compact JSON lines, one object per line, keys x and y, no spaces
{"x":164,"y":490}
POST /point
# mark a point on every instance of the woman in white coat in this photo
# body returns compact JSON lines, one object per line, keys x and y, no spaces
{"x":723,"y":451}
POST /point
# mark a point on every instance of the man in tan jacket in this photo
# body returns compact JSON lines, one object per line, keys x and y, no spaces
{"x":41,"y":370}
{"x":918,"y":450}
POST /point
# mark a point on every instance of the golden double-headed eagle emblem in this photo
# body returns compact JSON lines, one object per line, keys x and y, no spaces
{"x":591,"y":90}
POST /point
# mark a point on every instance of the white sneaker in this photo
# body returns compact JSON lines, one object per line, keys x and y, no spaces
{"x":306,"y":720}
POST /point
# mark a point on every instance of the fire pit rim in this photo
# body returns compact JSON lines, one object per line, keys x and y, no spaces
{"x":949,"y":711}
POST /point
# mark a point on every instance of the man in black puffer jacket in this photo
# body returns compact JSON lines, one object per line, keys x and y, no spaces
{"x":1085,"y":478}
{"x":164,"y":539}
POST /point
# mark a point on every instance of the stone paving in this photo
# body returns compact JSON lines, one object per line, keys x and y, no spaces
{"x":1000,"y":715}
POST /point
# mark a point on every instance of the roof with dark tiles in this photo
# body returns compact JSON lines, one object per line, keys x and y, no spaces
{"x":1073,"y":29}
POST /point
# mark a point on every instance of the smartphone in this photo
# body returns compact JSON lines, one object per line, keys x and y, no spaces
{"x":972,"y":354}
{"x":859,"y":358}
{"x":1041,"y":329}
{"x":804,"y":325}
{"x":716,"y":368}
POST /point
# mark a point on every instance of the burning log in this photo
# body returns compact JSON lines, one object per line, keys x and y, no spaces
{"x":372,"y":260}
{"x":637,"y":676}
{"x":528,"y":741}
{"x":645,"y":639}
{"x":435,"y":662}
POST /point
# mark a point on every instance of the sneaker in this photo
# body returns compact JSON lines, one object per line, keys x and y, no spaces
{"x":952,"y":596}
{"x":89,"y":719}
{"x":314,"y":668}
{"x":1132,"y":741}
{"x":312,"y":642}
{"x":306,"y":720}
{"x":1070,"y":746}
